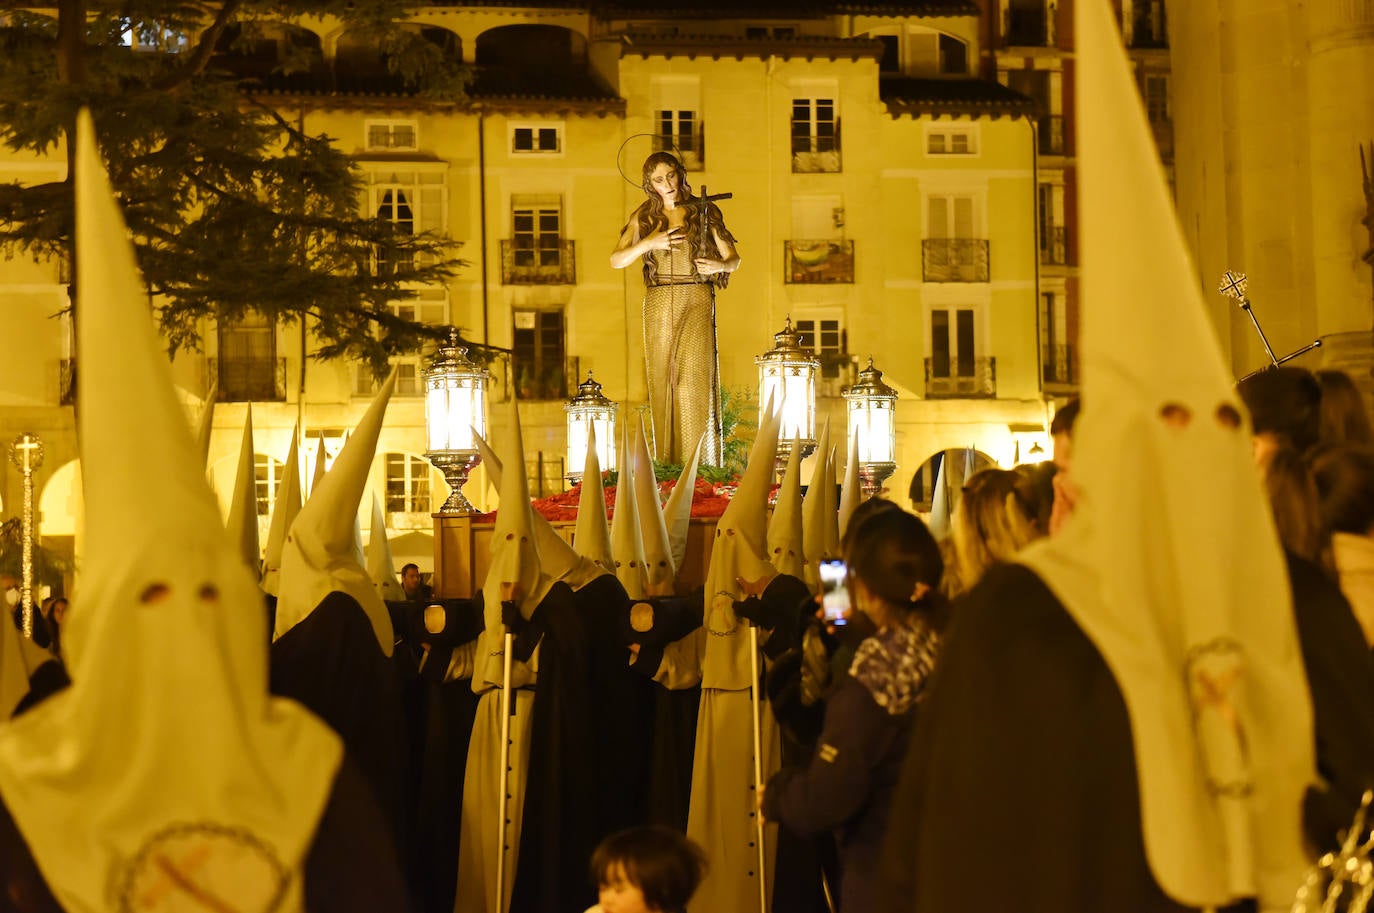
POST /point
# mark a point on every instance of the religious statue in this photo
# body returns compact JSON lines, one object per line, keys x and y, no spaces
{"x":687,"y":254}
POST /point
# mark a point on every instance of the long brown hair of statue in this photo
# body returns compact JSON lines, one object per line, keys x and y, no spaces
{"x":651,"y":217}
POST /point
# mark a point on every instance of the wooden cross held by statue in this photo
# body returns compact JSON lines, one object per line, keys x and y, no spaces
{"x":1233,"y":285}
{"x":26,"y":452}
{"x":705,"y":243}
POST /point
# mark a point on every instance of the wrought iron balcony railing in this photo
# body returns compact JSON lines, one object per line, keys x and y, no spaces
{"x":838,"y":371}
{"x":816,"y":153}
{"x":248,"y":379}
{"x":950,"y":378}
{"x":1051,"y":132}
{"x":547,"y":380}
{"x":1060,"y":365}
{"x":954,"y":260}
{"x":818,"y":261}
{"x":1054,"y":247}
{"x":538,"y":262}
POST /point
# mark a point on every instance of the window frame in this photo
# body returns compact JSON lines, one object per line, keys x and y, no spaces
{"x":535,"y":127}
{"x":391,"y":123}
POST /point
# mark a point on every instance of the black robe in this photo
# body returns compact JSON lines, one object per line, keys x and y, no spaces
{"x":1340,"y":677}
{"x":675,"y":710}
{"x":557,"y":826}
{"x":350,"y":868}
{"x":623,"y":722}
{"x":332,"y":664}
{"x":445,"y":711}
{"x":1019,"y":790}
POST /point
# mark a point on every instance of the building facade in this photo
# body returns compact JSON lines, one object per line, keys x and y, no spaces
{"x":903,"y":189}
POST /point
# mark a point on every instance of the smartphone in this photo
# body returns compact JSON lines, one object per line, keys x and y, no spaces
{"x":834,"y":594}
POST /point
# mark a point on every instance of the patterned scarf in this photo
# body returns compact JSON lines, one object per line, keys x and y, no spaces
{"x":895,"y":663}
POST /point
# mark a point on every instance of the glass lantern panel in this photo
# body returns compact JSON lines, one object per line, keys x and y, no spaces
{"x":577,"y":442}
{"x":461,"y":419}
{"x":436,"y":415}
{"x":871,"y":422}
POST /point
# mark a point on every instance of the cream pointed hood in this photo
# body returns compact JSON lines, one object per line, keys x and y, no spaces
{"x":515,"y":558}
{"x":941,"y":510}
{"x":167,"y":740}
{"x":658,"y":552}
{"x":851,"y":492}
{"x":1170,"y":562}
{"x":205,"y":427}
{"x":284,"y":510}
{"x":592,"y":537}
{"x":785,"y":526}
{"x":243,"y":507}
{"x":813,"y":514}
{"x":381,"y":566}
{"x":677,"y":511}
{"x":627,"y":543}
{"x":320,"y":555}
{"x":557,"y":559}
{"x":831,"y":511}
{"x":740,"y":550}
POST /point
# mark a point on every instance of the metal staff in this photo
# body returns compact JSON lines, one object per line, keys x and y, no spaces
{"x":755,"y":706}
{"x":27,"y":454}
{"x":505,"y":771}
{"x":1233,"y":285}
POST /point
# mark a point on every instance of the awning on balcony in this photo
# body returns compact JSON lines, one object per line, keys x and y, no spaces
{"x":952,"y":97}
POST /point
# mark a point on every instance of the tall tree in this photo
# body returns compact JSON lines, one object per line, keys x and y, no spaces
{"x":235,"y":210}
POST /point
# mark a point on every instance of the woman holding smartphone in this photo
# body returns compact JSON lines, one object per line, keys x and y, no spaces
{"x":894,"y":576}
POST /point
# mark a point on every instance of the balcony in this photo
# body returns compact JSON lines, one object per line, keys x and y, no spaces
{"x":250,"y":379}
{"x":807,"y":262}
{"x":66,"y":381}
{"x":546,"y":380}
{"x":1054,"y":246}
{"x":954,"y":260}
{"x":949,"y":378}
{"x":838,"y":371}
{"x":549,"y":263}
{"x":1026,"y":28}
{"x":1050,"y":130}
{"x":692,"y":149}
{"x":1060,"y":366}
{"x":816,"y":154}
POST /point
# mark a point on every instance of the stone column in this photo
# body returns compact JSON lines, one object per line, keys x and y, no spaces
{"x":1340,"y":35}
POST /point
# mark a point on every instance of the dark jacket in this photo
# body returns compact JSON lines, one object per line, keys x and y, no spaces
{"x":848,"y":785}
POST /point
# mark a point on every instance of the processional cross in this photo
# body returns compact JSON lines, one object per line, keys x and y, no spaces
{"x":1233,"y":285}
{"x":26,"y":452}
{"x":703,"y":203}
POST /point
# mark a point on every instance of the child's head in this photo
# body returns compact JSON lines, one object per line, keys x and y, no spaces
{"x":647,"y":870}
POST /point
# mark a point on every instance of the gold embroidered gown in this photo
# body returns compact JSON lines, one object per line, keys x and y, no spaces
{"x":680,"y":359}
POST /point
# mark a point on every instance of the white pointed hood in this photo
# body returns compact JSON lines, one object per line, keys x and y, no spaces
{"x":677,"y":511}
{"x":1170,"y":563}
{"x":321,"y":462}
{"x":831,"y":511}
{"x":515,"y":558}
{"x":851,"y":492}
{"x":243,"y":507}
{"x":941,"y":510}
{"x":205,"y":427}
{"x":557,"y":559}
{"x":592,"y":538}
{"x":167,"y":727}
{"x":785,"y":526}
{"x":381,"y":566}
{"x":321,"y":554}
{"x":284,"y":510}
{"x":813,"y":514}
{"x":740,"y":550}
{"x":658,"y":553}
{"x":627,"y":543}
